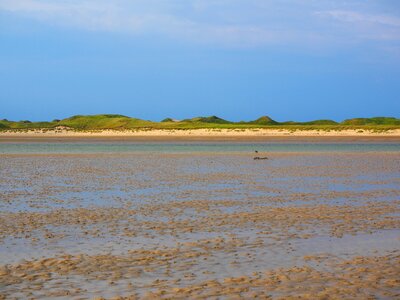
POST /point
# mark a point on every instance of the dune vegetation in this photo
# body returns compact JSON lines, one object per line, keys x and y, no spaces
{"x":121,"y":122}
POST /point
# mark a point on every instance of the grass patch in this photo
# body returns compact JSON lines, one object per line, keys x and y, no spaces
{"x":120,"y":122}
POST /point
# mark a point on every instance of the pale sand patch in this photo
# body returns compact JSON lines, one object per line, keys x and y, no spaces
{"x":234,"y":133}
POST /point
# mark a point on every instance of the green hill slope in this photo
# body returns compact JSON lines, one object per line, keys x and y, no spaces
{"x":120,"y":122}
{"x":167,"y":120}
{"x":103,"y":122}
{"x":372,"y":121}
{"x":5,"y":124}
{"x":211,"y":119}
{"x":320,"y":122}
{"x":264,"y":120}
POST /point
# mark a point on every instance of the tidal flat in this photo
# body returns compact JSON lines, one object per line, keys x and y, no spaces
{"x":209,"y":224}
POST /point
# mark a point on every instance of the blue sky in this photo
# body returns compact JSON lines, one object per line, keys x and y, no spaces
{"x":238,"y":59}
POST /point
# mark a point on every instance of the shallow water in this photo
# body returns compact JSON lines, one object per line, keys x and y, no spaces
{"x":190,"y":147}
{"x":212,"y":209}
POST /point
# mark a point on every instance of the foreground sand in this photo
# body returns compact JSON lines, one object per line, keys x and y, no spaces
{"x":200,"y":226}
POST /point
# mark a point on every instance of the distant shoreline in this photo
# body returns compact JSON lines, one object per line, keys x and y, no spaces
{"x":203,"y":134}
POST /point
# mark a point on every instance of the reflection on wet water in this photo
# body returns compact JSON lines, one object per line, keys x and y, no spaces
{"x":190,"y":147}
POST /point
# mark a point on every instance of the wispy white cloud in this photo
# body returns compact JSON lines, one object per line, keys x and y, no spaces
{"x":85,"y":14}
{"x":367,"y":25}
{"x":233,"y":22}
{"x":356,"y":17}
{"x":136,"y":18}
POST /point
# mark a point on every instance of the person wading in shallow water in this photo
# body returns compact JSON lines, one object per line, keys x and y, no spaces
{"x":257,"y":157}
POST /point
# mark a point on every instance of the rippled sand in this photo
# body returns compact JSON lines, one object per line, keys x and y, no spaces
{"x":219,"y":226}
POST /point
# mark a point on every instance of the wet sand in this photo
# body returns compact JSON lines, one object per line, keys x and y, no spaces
{"x":200,"y":226}
{"x":182,"y":139}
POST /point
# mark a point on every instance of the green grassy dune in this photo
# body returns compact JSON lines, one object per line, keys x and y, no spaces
{"x":120,"y":122}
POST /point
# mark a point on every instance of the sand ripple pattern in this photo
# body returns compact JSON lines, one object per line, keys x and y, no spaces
{"x":200,"y":226}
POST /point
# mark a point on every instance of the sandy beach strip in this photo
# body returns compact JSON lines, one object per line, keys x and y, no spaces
{"x":270,"y":135}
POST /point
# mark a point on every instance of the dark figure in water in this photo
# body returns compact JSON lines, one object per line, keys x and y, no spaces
{"x":257,"y":157}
